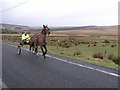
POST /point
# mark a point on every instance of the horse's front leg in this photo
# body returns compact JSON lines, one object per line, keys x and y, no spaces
{"x":43,"y":52}
{"x":45,"y":49}
{"x":33,"y":47}
{"x":30,"y":45}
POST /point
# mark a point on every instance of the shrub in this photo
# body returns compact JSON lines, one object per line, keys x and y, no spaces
{"x":95,"y":42}
{"x":110,"y":56}
{"x":103,"y":45}
{"x":88,"y":45}
{"x":65,"y":44}
{"x":106,"y":41}
{"x":98,"y":55}
{"x":53,"y":40}
{"x":61,"y":52}
{"x":76,"y":43}
{"x":94,"y":45}
{"x":7,"y":31}
{"x":113,"y":45}
{"x":114,"y":58}
{"x":77,"y":53}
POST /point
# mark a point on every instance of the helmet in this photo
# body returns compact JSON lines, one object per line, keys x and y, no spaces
{"x":25,"y":33}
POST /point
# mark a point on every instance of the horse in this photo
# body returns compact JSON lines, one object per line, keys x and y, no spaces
{"x":39,"y":40}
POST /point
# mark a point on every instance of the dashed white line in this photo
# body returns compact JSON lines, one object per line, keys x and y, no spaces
{"x":77,"y":64}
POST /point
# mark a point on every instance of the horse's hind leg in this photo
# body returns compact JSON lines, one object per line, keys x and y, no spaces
{"x":31,"y":45}
{"x":36,"y":49}
{"x":33,"y":48}
{"x":45,"y":51}
{"x":29,"y":49}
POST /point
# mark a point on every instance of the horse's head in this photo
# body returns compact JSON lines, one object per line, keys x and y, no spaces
{"x":45,"y":30}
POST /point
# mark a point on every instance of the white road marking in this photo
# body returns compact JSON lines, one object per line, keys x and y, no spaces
{"x":113,"y":74}
{"x":77,"y":64}
{"x":2,"y":84}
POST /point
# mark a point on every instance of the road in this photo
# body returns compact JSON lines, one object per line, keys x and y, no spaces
{"x":31,"y":71}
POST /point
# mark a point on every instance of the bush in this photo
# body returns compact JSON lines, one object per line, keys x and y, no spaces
{"x":11,"y":38}
{"x":65,"y":44}
{"x":76,"y":43}
{"x":98,"y":55}
{"x":88,"y":45}
{"x":106,"y":41}
{"x":94,"y":45}
{"x":114,"y":58}
{"x":77,"y":53}
{"x":62,"y":53}
{"x":110,"y":56}
{"x":113,"y":45}
{"x":7,"y":31}
{"x":53,"y":40}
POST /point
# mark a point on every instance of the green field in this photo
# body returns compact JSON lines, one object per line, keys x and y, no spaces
{"x":85,"y":54}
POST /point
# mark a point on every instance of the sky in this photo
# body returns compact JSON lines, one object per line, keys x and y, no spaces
{"x":59,"y":12}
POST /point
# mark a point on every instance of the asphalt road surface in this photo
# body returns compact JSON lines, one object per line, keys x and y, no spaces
{"x":31,"y":71}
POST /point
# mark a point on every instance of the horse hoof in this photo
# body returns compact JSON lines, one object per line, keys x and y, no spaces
{"x":44,"y":57}
{"x":29,"y":51}
{"x":37,"y":54}
{"x":33,"y":52}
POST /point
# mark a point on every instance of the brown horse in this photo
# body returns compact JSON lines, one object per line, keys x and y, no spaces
{"x":40,"y":40}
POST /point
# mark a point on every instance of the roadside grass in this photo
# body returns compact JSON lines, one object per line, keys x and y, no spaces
{"x":86,"y":51}
{"x":86,"y":54}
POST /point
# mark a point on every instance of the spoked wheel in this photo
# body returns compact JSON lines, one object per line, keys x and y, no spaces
{"x":18,"y":50}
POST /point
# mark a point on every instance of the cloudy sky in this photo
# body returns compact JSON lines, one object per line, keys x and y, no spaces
{"x":59,"y":12}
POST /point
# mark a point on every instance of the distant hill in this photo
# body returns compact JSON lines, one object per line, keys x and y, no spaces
{"x":89,"y":30}
{"x":84,"y":28}
{"x":14,"y":27}
{"x":21,"y":27}
{"x":70,"y":27}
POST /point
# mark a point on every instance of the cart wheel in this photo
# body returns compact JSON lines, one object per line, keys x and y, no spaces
{"x":18,"y":50}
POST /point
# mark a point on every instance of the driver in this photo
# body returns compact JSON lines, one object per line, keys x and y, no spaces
{"x":25,"y":38}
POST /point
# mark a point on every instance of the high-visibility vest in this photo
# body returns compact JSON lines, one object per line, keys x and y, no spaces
{"x":25,"y":37}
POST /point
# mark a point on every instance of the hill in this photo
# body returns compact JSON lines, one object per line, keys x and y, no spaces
{"x":89,"y":30}
{"x":13,"y":27}
{"x":79,"y":30}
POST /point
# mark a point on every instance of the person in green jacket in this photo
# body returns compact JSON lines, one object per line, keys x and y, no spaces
{"x":25,"y":38}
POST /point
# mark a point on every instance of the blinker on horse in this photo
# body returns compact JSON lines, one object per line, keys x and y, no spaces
{"x":40,"y":40}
